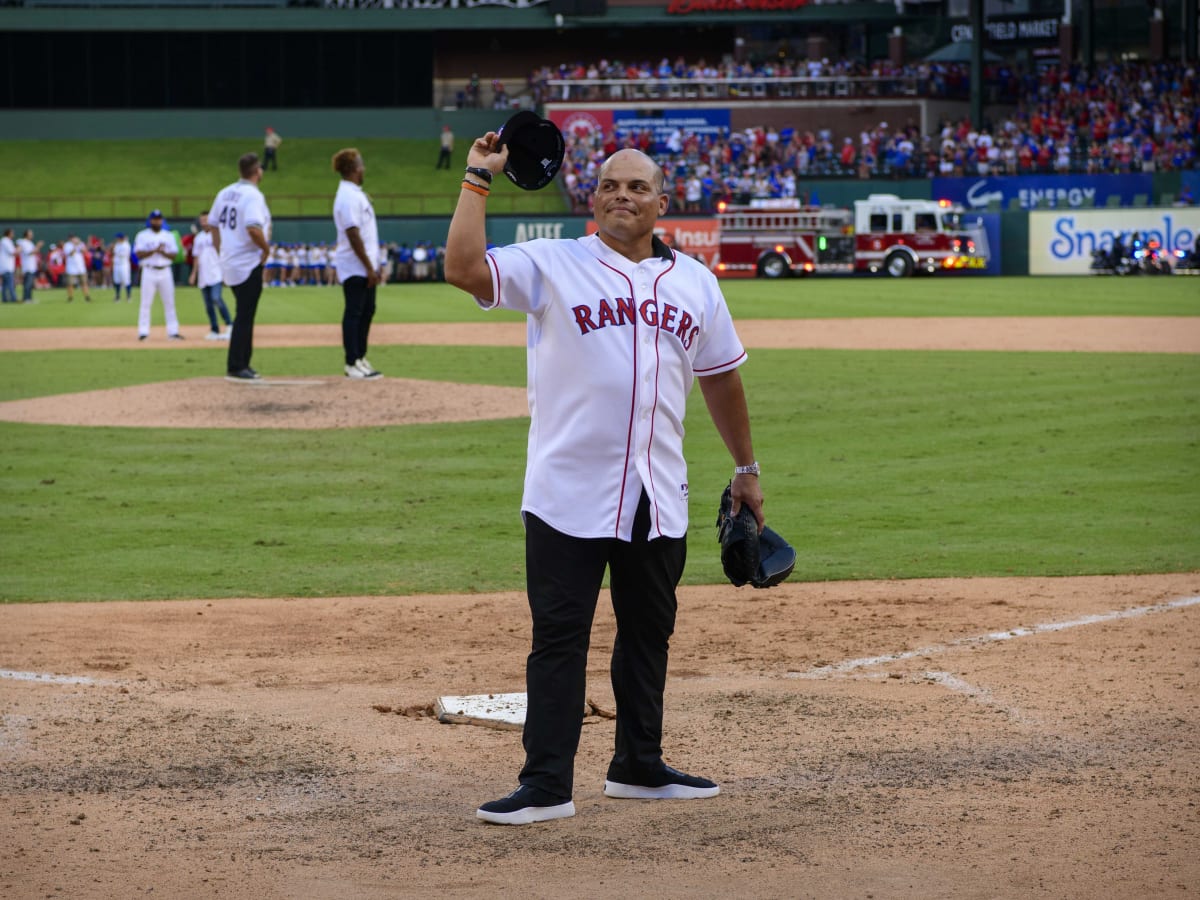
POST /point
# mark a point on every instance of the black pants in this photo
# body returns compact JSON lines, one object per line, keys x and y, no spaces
{"x":269,"y":160}
{"x":443,"y":161}
{"x":241,"y":339}
{"x":564,"y":577}
{"x":356,"y":319}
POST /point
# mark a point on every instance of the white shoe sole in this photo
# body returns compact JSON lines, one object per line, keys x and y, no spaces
{"x":529,"y":814}
{"x":667,"y":792}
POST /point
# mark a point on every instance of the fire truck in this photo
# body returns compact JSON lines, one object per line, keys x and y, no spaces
{"x":777,"y":238}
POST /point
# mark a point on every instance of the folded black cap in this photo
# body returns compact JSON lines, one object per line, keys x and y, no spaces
{"x":535,"y":150}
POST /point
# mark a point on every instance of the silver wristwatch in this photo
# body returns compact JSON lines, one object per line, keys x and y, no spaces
{"x":751,"y":469}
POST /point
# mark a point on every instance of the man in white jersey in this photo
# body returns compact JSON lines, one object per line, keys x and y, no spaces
{"x":122,"y":267}
{"x":30,"y":260}
{"x":357,"y":255}
{"x":619,"y":327}
{"x":76,"y":257}
{"x":206,"y":274}
{"x":8,"y":267}
{"x":244,"y":226}
{"x":156,"y":248}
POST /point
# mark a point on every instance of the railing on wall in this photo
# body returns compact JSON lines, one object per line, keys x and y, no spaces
{"x":749,"y":88}
{"x":23,"y":209}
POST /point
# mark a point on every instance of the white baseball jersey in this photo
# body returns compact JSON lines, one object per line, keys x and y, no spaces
{"x":146,"y":240}
{"x":121,"y":251}
{"x":8,"y":254}
{"x":73,"y":251}
{"x":352,"y":209}
{"x":238,"y":207}
{"x":29,"y":254}
{"x":208,"y":261}
{"x":612,"y":351}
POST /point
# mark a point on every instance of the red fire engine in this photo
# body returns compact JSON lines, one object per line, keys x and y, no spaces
{"x":776,"y":238}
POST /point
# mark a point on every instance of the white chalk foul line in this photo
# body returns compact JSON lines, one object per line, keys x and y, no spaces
{"x":47,"y":678}
{"x":867,"y":662}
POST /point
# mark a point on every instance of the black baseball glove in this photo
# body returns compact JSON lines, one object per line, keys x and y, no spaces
{"x":748,"y":557}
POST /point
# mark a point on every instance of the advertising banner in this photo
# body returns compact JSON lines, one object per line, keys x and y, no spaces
{"x":1058,"y":191}
{"x":698,"y":238}
{"x":505,"y":230}
{"x":663,"y":123}
{"x":1062,"y":242}
{"x":581,"y":122}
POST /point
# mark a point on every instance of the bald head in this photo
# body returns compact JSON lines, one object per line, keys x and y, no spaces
{"x":632,"y":157}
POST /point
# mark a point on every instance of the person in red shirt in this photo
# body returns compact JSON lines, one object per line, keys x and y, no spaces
{"x":848,"y":153}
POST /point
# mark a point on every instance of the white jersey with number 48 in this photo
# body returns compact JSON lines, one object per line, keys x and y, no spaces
{"x":238,"y":207}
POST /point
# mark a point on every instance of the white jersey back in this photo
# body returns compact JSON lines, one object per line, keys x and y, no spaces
{"x":238,"y":207}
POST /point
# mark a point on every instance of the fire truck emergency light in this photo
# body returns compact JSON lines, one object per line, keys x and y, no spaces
{"x":779,"y":248}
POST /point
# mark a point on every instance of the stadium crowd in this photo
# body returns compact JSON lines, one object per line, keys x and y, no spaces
{"x":1120,"y":118}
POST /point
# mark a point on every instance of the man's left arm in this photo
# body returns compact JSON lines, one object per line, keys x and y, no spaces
{"x":726,"y":401}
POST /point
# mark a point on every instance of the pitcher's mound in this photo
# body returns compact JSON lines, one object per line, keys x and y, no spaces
{"x":282,"y":402}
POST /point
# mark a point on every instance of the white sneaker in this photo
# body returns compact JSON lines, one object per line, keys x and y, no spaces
{"x":367,"y":369}
{"x":225,"y":335}
{"x":213,"y":336}
{"x":355,"y":372}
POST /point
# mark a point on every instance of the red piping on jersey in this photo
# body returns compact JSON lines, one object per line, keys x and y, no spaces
{"x":657,"y":369}
{"x":632,"y":399}
{"x":736,"y":359}
{"x":495,"y":265}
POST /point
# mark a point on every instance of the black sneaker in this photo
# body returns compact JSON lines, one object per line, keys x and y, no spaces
{"x":246,"y":374}
{"x":666,"y":784}
{"x":174,"y":337}
{"x":524,"y":806}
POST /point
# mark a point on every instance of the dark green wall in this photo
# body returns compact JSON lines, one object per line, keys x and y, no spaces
{"x":85,"y":125}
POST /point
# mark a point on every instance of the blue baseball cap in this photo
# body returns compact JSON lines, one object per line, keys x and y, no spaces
{"x":155,"y":214}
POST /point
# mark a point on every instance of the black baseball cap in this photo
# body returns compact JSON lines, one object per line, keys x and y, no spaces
{"x":535,"y":150}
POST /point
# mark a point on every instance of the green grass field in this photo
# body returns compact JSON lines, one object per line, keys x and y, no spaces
{"x":793,"y":298}
{"x":876,"y":464}
{"x":124,"y":179}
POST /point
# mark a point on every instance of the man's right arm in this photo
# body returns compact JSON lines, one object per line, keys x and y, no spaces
{"x":466,"y":242}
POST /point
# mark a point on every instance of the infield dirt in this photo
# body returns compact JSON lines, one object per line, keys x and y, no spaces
{"x":253,"y":748}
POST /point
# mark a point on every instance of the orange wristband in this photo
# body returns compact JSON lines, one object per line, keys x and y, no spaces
{"x":478,"y":189}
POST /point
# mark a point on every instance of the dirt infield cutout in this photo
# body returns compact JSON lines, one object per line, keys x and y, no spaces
{"x":274,"y":403}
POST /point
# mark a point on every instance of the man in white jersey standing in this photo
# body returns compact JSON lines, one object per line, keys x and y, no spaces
{"x":244,"y":226}
{"x":8,"y":267}
{"x":75,"y":254}
{"x":156,"y":248}
{"x":122,"y":266}
{"x":619,"y":326}
{"x":357,"y":257}
{"x":30,"y":259}
{"x":206,"y":274}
